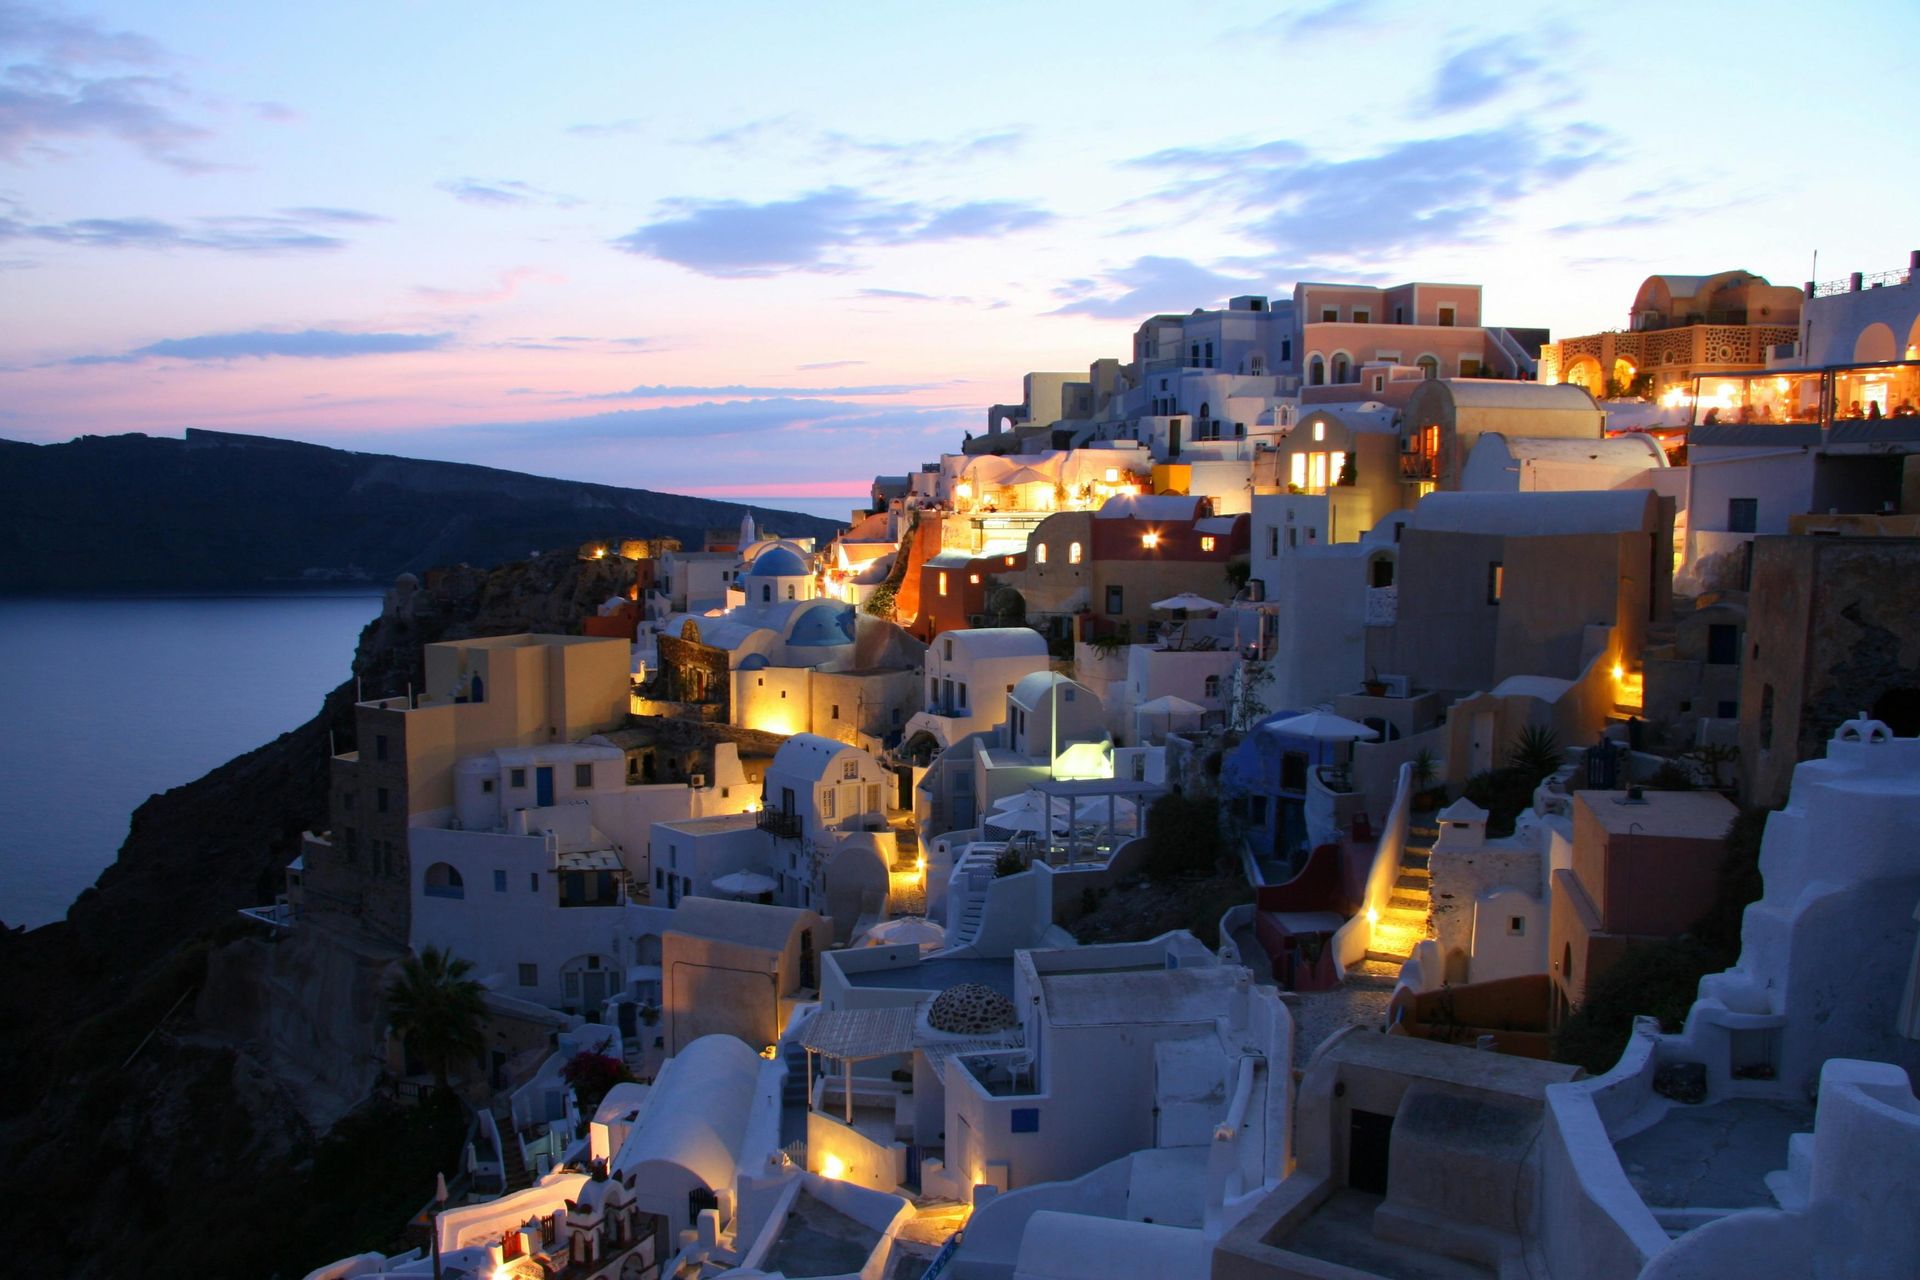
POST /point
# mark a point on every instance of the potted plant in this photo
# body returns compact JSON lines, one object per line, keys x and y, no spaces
{"x":1374,"y":686}
{"x":1425,"y":767}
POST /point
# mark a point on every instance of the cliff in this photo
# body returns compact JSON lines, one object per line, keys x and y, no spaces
{"x":138,"y":1132}
{"x":216,"y":511}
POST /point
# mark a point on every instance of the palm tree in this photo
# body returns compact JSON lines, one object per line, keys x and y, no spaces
{"x":1536,"y":752}
{"x":436,"y":1010}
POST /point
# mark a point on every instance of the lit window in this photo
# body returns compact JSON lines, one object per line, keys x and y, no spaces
{"x":1073,"y":554}
{"x":963,"y":490}
{"x":1338,"y":465}
{"x":529,"y":975}
{"x":1149,"y":540}
{"x":1040,"y":552}
{"x":1317,"y":473}
{"x":1319,"y":431}
{"x":1496,"y":581}
{"x":1297,"y":471}
{"x":974,"y":578}
{"x":1206,"y":543}
{"x":943,"y":584}
{"x":1009,"y":562}
{"x":1113,"y":475}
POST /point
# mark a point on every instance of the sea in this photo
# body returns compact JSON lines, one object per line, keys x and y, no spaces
{"x":105,"y":701}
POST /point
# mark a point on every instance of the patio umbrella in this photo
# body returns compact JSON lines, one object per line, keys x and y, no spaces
{"x":1324,"y":724}
{"x":1035,"y":820}
{"x":1167,"y":706}
{"x":1188,"y":602}
{"x":744,"y":884}
{"x":902,"y":929}
{"x":1032,"y":804}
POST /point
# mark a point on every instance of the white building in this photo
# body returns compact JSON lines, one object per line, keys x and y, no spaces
{"x":969,"y":674}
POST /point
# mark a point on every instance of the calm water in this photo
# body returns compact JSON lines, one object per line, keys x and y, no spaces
{"x":104,"y":702}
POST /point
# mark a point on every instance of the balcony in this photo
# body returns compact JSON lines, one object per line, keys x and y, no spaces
{"x":1418,"y":467}
{"x":779,"y":823}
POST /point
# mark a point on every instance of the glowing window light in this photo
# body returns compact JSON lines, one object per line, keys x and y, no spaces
{"x":943,"y":584}
{"x":1319,"y":431}
{"x":1206,"y":543}
{"x":963,"y":490}
{"x":1298,"y":472}
{"x":1039,"y":552}
{"x":1113,"y":475}
{"x":1149,"y":540}
{"x":974,"y":578}
{"x":1073,"y":554}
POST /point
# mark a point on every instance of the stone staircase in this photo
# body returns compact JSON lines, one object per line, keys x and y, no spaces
{"x":973,"y":903}
{"x":512,"y":1164}
{"x":1406,"y":923}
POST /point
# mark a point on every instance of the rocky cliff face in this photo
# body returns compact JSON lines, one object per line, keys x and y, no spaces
{"x":151,"y":1082}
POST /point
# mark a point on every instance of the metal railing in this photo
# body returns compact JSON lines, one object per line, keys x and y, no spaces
{"x":779,"y":823}
{"x":1859,"y":282}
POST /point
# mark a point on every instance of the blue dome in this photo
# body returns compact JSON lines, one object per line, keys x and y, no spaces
{"x":778,"y":562}
{"x":829,"y":624}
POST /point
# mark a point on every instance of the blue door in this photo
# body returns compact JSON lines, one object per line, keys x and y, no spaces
{"x":543,"y":785}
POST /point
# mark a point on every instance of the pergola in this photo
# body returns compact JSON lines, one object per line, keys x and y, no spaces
{"x":857,"y":1035}
{"x":1079,"y":796}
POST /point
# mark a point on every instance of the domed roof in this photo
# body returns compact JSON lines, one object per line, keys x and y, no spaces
{"x":778,"y":562}
{"x":971,"y":1009}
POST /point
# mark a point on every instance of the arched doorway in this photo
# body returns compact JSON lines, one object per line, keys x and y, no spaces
{"x":1316,"y":372}
{"x":1342,"y":368}
{"x":1874,"y":344}
{"x":1429,"y":366}
{"x":1584,"y":373}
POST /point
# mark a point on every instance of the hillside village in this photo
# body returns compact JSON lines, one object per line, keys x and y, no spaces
{"x":1523,"y":734}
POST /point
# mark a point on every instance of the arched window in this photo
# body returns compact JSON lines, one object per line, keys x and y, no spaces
{"x":1316,"y":371}
{"x":789,"y":591}
{"x":443,"y":881}
{"x":1429,"y":365}
{"x":1073,"y":553}
{"x":1204,"y":407}
{"x":1213,"y":686}
{"x":1342,"y":367}
{"x":1040,"y":552}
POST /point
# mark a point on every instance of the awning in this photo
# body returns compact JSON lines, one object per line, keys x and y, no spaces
{"x":853,"y":1035}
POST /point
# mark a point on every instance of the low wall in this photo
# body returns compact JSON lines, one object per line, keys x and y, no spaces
{"x":1355,"y":938}
{"x":1594,"y":1225}
{"x":992,"y":1244}
{"x":879,"y":1166}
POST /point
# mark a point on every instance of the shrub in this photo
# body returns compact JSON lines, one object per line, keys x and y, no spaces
{"x":1009,"y":863}
{"x":1671,"y":776}
{"x":1536,"y":753}
{"x":593,"y":1076}
{"x":1655,"y":979}
{"x":1183,"y":836}
{"x":1503,"y":793}
{"x":880,"y":603}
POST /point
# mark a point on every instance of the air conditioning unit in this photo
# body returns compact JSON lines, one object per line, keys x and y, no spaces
{"x":1397,"y":686}
{"x":697,"y":781}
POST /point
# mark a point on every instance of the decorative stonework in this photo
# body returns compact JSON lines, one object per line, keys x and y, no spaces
{"x":971,"y":1009}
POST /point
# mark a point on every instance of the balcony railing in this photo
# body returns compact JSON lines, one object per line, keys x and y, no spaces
{"x":1860,"y":283}
{"x":779,"y":823}
{"x":1416,"y":466}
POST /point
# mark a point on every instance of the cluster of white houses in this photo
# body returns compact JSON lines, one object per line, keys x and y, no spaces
{"x":796,"y":831}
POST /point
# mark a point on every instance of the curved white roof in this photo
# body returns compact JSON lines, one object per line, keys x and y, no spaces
{"x":997,"y":642}
{"x":1635,"y":449}
{"x":808,"y":755}
{"x":1545,"y":688}
{"x":1158,"y":506}
{"x":1071,"y":1246}
{"x":1031,"y":689}
{"x":1526,"y":514}
{"x":1497,"y":393}
{"x":1371,"y":418}
{"x":747,"y":924}
{"x":697,"y":1113}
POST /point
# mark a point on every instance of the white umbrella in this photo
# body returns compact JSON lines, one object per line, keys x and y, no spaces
{"x":1324,"y":724}
{"x":1189,"y":602}
{"x":1024,"y":820}
{"x":901,"y":929}
{"x":1171,"y":705}
{"x":745,"y":884}
{"x":1009,"y":813}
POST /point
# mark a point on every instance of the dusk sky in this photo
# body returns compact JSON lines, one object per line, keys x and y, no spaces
{"x":768,"y":250}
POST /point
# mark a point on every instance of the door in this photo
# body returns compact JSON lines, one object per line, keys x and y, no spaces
{"x":594,"y":990}
{"x":543,"y":785}
{"x":1369,"y":1144}
{"x":1481,"y":755}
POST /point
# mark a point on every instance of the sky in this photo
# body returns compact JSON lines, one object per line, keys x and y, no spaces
{"x":767,"y":251}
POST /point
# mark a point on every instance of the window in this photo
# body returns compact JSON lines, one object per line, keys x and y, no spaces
{"x":1723,"y":644}
{"x":1430,"y":366}
{"x":1040,"y":552}
{"x":1319,"y":431}
{"x":1316,"y":371}
{"x":943,"y":583}
{"x":949,"y":648}
{"x":1329,"y":315}
{"x":1273,"y":539}
{"x":1206,"y":542}
{"x":1728,"y":710}
{"x":583,"y":776}
{"x":1743,"y":515}
{"x":380,"y":799}
{"x":1496,"y":581}
{"x":1469,"y":367}
{"x":836,"y":711}
{"x":766,"y":593}
{"x":1362,"y":316}
{"x":517,"y":778}
{"x":850,"y":769}
{"x":1024,"y":1119}
{"x":973,"y":579}
{"x":529,"y":975}
{"x":443,"y":881}
{"x":486,"y":786}
{"x":961,"y":690}
{"x":1073,"y":553}
{"x":1516,"y":926}
{"x":1116,"y":600}
{"x":1213,"y":686}
{"x":499,"y":882}
{"x":379,"y":746}
{"x":1399,"y":315}
{"x":789,"y":591}
{"x":826,"y":802}
{"x":533,"y":878}
{"x":1149,"y":540}
{"x":1286,"y":350}
{"x":1446,"y":317}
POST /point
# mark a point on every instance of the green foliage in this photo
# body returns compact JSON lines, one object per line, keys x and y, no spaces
{"x":1183,"y":836}
{"x":1671,"y":776}
{"x":1654,"y":979}
{"x":881,"y":603}
{"x":1536,"y":753}
{"x":1425,"y":766}
{"x":1239,"y":572}
{"x":1736,"y":885}
{"x":1009,"y":863}
{"x":1503,"y":793}
{"x":1111,"y":643}
{"x":436,"y":1009}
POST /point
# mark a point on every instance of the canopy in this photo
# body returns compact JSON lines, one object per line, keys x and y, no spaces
{"x":1025,"y":475}
{"x":907,"y":929}
{"x":1171,"y":705}
{"x":1189,"y":602}
{"x":1324,"y":724}
{"x":745,"y":884}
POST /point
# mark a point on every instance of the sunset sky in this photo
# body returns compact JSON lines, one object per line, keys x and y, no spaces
{"x":767,"y":250}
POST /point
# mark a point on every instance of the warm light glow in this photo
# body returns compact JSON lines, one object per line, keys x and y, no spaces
{"x":1319,"y":431}
{"x":1149,"y":540}
{"x":974,"y":578}
{"x":832,"y":1166}
{"x":770,"y":1052}
{"x":1040,"y":552}
{"x":1373,"y":915}
{"x":1206,"y":543}
{"x":1073,"y":554}
{"x":963,"y":490}
{"x":1009,"y":562}
{"x":943,"y":584}
{"x":920,"y":864}
{"x":1113,"y":475}
{"x":1619,"y":672}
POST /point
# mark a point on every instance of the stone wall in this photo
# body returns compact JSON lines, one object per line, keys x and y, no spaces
{"x":1461,"y":878}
